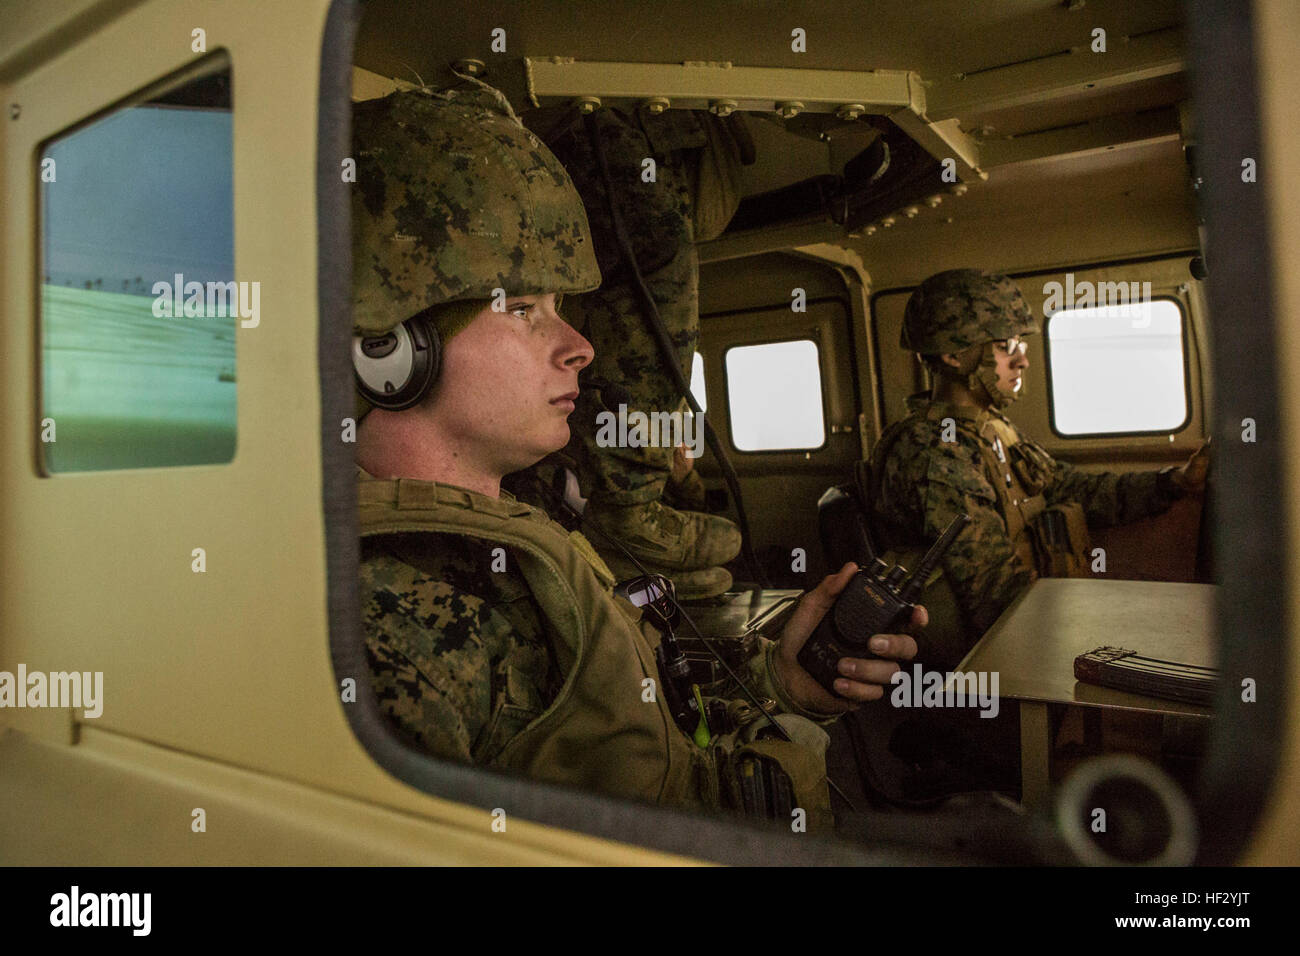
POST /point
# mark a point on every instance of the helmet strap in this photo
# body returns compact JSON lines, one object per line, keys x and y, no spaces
{"x":984,"y":380}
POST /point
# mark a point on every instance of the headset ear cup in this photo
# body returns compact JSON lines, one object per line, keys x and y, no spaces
{"x":428,"y":348}
{"x":395,"y":371}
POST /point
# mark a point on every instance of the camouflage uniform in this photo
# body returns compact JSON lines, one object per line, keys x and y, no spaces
{"x":694,"y":191}
{"x":924,"y":482}
{"x":988,"y":470}
{"x":659,"y":218}
{"x":444,"y":635}
{"x":537,"y":667}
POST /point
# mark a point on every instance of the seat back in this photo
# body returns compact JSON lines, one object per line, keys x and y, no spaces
{"x":842,"y":523}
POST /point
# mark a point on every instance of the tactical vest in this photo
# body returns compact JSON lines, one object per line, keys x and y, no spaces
{"x":1051,"y":539}
{"x":607,"y":729}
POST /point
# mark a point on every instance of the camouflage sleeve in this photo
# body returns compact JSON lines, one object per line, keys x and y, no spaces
{"x":982,"y":565}
{"x":1107,"y":498}
{"x":429,"y":645}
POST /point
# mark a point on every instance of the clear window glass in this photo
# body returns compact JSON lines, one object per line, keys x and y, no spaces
{"x":1117,"y":370}
{"x":138,"y":300}
{"x":774,"y":395}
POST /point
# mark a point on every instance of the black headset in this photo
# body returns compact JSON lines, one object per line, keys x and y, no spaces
{"x":396,"y":370}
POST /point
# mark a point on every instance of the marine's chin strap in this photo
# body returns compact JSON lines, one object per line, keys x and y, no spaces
{"x":984,"y":380}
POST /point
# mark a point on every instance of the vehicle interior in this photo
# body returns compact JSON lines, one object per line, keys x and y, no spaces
{"x":1056,"y":163}
{"x":1081,"y":148}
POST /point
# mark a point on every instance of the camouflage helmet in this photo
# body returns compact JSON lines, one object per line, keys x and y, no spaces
{"x":953,"y":310}
{"x":455,"y":199}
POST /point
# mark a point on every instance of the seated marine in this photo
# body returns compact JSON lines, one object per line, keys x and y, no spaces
{"x":957,"y":453}
{"x":495,"y":637}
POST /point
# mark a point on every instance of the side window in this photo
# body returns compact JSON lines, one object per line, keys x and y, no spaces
{"x":697,"y":382}
{"x":1118,"y":370}
{"x":774,"y":396}
{"x":138,"y":305}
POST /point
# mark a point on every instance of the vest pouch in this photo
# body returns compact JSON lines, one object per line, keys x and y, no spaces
{"x":1031,"y":467}
{"x":764,"y":777}
{"x":1060,"y":539}
{"x":519,"y":703}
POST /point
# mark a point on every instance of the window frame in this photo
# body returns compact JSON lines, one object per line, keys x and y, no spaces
{"x":1188,"y":410}
{"x":1253,"y":606}
{"x":821,"y":391}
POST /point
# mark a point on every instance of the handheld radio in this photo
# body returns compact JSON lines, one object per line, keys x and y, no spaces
{"x":879,"y":600}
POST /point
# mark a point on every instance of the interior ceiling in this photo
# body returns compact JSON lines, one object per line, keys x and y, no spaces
{"x":1152,"y":169}
{"x":1119,"y":204}
{"x":1077,"y":108}
{"x":936,"y":38}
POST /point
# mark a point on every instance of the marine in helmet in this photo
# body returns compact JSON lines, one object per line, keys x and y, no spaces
{"x":493,"y":634}
{"x":956,"y":452}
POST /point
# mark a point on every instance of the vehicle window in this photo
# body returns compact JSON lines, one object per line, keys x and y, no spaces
{"x":139,"y":305}
{"x":697,"y":382}
{"x":1116,"y":370}
{"x":774,"y":396}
